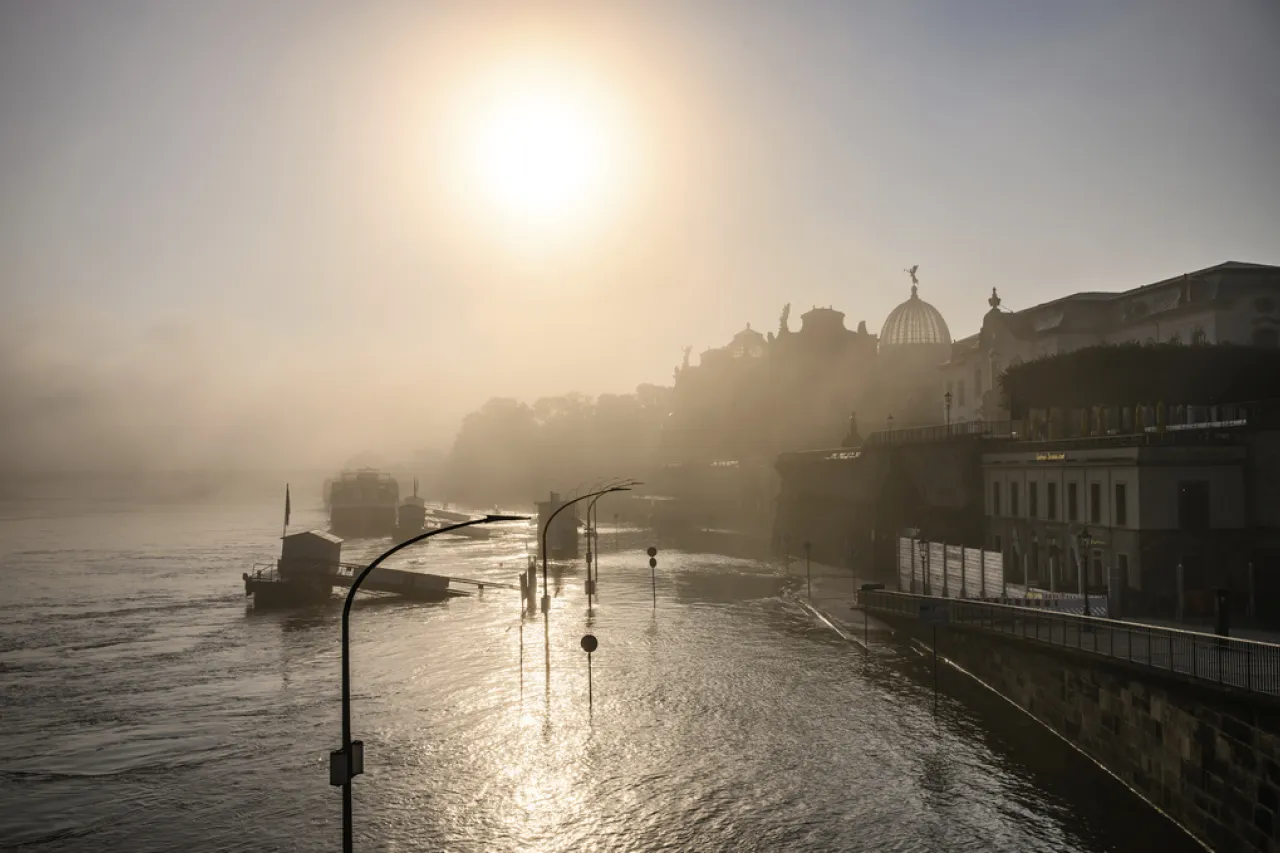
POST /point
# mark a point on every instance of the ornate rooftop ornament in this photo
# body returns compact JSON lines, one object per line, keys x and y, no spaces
{"x":994,"y":301}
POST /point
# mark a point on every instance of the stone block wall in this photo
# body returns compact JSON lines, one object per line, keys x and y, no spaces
{"x":1208,"y":758}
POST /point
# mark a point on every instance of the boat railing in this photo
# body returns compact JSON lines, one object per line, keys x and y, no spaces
{"x":264,"y":571}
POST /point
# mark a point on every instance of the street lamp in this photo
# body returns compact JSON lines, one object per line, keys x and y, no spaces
{"x":947,"y":397}
{"x":546,"y":597}
{"x":1084,"y":540}
{"x":593,"y":528}
{"x":347,"y":763}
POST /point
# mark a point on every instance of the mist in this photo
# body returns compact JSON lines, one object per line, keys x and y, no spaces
{"x":232,"y":236}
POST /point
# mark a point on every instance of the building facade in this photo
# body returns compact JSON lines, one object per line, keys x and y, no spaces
{"x":1233,"y":302}
{"x":1157,"y":521}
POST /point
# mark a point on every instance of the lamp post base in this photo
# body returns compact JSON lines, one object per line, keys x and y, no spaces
{"x":546,"y":603}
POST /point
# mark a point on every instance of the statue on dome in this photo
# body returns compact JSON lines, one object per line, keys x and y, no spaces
{"x":914,"y":281}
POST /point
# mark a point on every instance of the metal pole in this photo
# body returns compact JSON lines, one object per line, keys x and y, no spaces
{"x":347,"y":767}
{"x":808,"y":567}
{"x":593,"y":536}
{"x":590,"y":694}
{"x":546,"y":588}
{"x":935,"y":667}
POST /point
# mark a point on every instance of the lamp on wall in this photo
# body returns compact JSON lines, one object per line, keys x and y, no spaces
{"x":1084,"y":541}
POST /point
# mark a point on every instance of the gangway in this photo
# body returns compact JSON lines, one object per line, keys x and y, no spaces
{"x":417,"y":585}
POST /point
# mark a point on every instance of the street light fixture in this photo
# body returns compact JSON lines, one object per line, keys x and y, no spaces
{"x":1085,"y":540}
{"x":546,"y":597}
{"x":947,"y":397}
{"x":593,"y":528}
{"x":347,"y":763}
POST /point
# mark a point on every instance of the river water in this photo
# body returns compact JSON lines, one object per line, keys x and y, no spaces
{"x":146,"y":707}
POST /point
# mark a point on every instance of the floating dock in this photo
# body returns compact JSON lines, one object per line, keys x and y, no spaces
{"x":310,"y":569}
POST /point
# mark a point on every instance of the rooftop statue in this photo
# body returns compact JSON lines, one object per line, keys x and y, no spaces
{"x":912,"y":272}
{"x":782,"y":321}
{"x":687,"y":350}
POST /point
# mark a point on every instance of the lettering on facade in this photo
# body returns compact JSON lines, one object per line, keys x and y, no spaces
{"x":725,"y":463}
{"x":1055,"y":456}
{"x":844,"y":454}
{"x":1204,"y":425}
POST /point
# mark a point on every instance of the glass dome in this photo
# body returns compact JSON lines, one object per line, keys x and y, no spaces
{"x":914,"y":322}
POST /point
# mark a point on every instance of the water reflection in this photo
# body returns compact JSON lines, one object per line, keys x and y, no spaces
{"x":726,"y":720}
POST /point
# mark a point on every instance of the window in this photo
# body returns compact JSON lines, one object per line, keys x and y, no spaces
{"x":1095,"y":503}
{"x":995,"y":500}
{"x":1122,"y":569}
{"x":1053,"y":501}
{"x":1122,"y":505}
{"x":999,"y":549}
{"x":977,"y":382}
{"x":1033,"y":500}
{"x":1073,"y":505}
{"x":960,"y":393}
{"x":1193,"y":505}
{"x":1013,"y":499}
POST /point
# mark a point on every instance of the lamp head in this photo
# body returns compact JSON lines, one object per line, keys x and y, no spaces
{"x":490,"y":519}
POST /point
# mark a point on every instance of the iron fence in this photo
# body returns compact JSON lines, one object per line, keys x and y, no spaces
{"x":1247,"y":665}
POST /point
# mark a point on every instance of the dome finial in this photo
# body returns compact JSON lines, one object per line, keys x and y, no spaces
{"x":913,"y":292}
{"x":994,"y":301}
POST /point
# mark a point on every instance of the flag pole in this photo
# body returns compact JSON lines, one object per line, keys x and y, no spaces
{"x":285,"y":529}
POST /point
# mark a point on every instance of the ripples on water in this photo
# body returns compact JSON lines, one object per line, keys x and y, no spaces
{"x":146,"y":708}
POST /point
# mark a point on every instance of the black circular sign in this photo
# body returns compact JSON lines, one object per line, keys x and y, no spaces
{"x":653,"y":563}
{"x":589,"y":643}
{"x":653,"y":552}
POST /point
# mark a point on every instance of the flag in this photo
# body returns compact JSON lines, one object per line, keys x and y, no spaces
{"x":286,"y":504}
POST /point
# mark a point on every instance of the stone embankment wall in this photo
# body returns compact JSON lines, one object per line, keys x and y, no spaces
{"x":1208,"y":758}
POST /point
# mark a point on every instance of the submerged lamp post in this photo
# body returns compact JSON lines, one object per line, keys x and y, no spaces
{"x":546,"y":596}
{"x":347,"y":763}
{"x":593,"y":538}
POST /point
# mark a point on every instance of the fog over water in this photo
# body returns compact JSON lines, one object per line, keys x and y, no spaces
{"x":273,"y":236}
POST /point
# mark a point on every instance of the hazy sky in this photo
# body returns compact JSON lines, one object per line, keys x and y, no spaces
{"x":242,"y":230}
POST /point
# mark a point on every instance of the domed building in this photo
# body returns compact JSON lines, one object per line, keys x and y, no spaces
{"x":914,"y":341}
{"x":914,"y":324}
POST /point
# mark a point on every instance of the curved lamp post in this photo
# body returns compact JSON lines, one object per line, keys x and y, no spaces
{"x":593,"y":527}
{"x":347,"y":763}
{"x":546,"y":595}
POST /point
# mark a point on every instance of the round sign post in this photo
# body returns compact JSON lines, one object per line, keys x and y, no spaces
{"x":589,"y":644}
{"x":653,"y":573}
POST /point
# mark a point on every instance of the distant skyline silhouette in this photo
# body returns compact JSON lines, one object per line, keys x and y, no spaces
{"x":227,"y":230}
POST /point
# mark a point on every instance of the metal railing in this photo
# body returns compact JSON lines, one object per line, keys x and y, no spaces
{"x":944,"y":432}
{"x":1246,"y":665}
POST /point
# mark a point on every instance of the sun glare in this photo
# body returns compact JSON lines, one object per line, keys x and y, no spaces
{"x":544,"y":152}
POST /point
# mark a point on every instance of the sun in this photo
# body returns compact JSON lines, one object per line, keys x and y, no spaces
{"x":543,"y":152}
